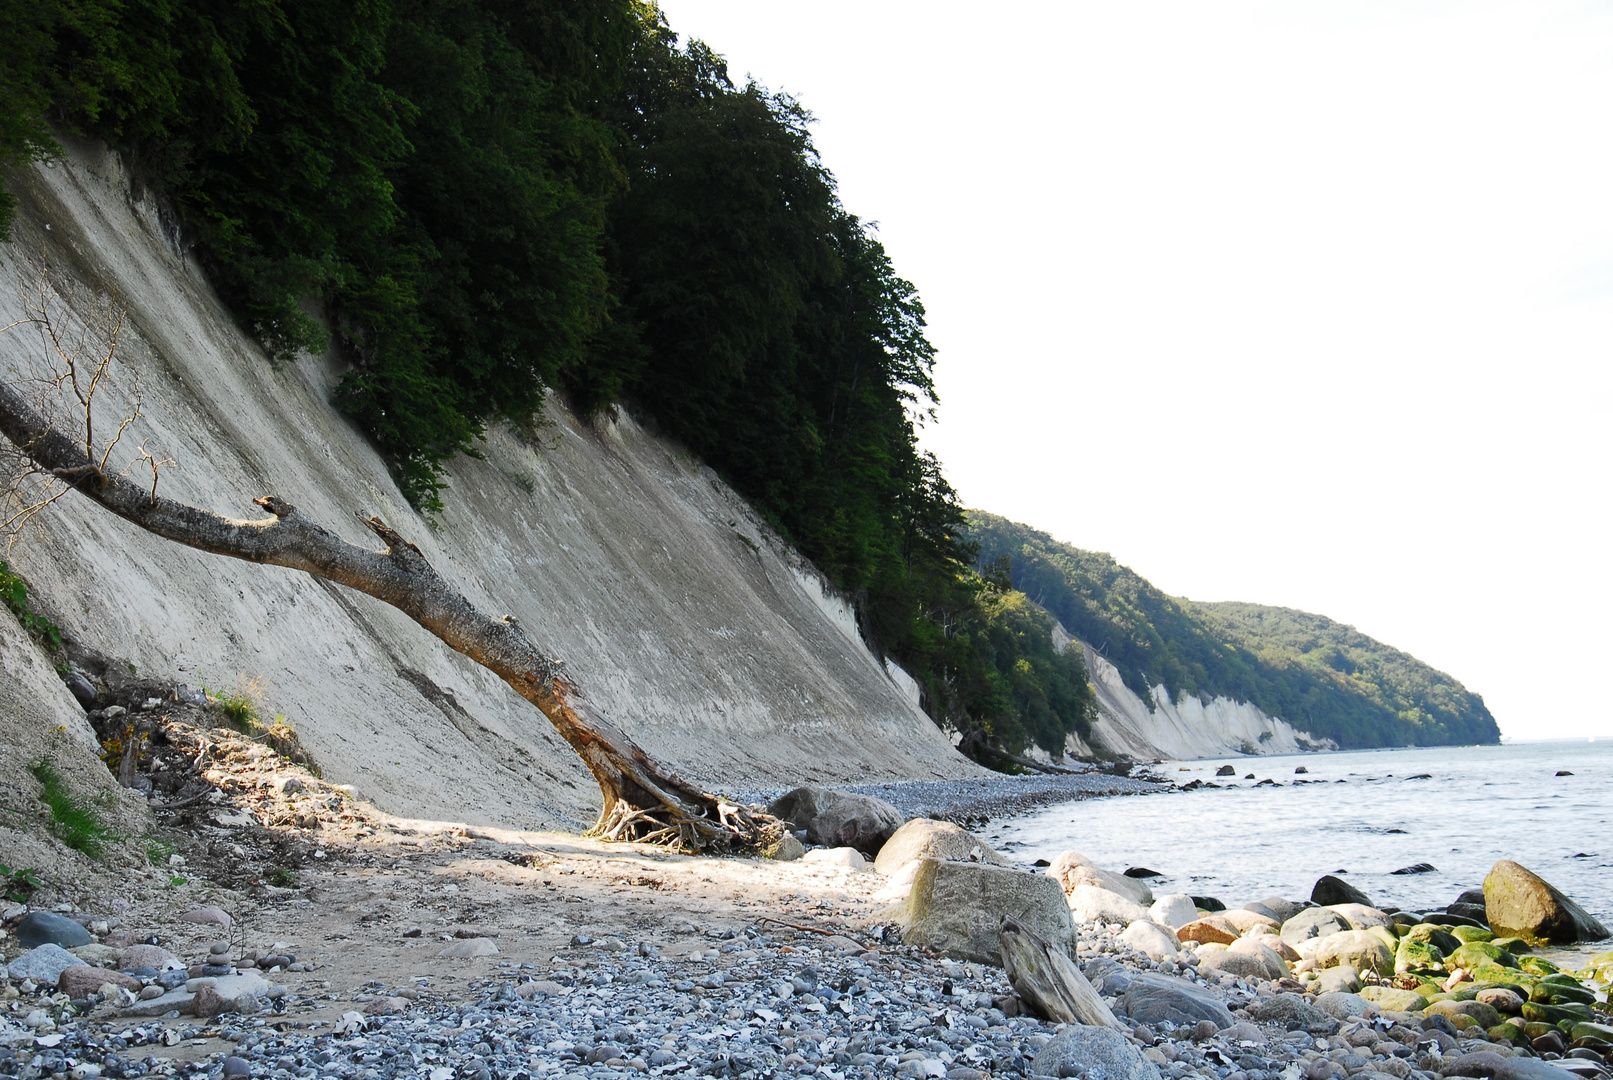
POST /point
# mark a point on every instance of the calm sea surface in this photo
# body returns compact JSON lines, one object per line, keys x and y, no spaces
{"x":1369,"y":818}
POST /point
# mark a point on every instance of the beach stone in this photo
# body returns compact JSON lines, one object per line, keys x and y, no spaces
{"x":469,"y":948}
{"x":1504,"y":1001}
{"x":43,"y":964}
{"x":1410,"y":953}
{"x":1210,"y":930}
{"x":836,"y":818}
{"x":1477,"y":953}
{"x":923,"y":838}
{"x":1342,"y":1006}
{"x":1520,"y":903}
{"x":957,"y":909}
{"x":1152,"y":939}
{"x":1389,"y":999}
{"x":1220,"y":960}
{"x":48,"y":928}
{"x":208,"y":1002}
{"x":1360,"y":949}
{"x":207,"y":915}
{"x":785,"y":849}
{"x":1174,"y":910}
{"x":1437,"y":936}
{"x":152,"y":956}
{"x":173,"y":1001}
{"x":1362,"y":917}
{"x":1313,"y":923}
{"x":1338,"y":980}
{"x":1091,"y":1049}
{"x":1486,"y":1015}
{"x":1244,"y":920}
{"x":1289,"y":1009}
{"x":1107,"y":976}
{"x":1330,"y":890}
{"x":1152,"y":998}
{"x":1281,"y":909}
{"x":76,"y":981}
{"x":1483,"y":1063}
{"x":1089,"y":904}
{"x":848,"y":857}
{"x":1073,"y":869}
{"x":1257,"y":946}
{"x":237,"y":1066}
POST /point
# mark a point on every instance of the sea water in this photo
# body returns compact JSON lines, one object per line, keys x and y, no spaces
{"x":1371,"y":813}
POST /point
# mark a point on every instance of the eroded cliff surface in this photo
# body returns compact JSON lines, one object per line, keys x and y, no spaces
{"x":674,"y":606}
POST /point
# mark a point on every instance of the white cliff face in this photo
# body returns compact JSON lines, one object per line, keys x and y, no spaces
{"x":673,"y":605}
{"x":1182,"y":729}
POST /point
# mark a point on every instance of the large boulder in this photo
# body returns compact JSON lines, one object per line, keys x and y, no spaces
{"x":1290,"y":1008}
{"x":48,"y":928}
{"x":1342,"y":1006}
{"x":1313,"y":923}
{"x":1330,"y":890}
{"x":1153,"y":998}
{"x":1520,"y":903}
{"x":1151,"y":939}
{"x":1259,"y":946}
{"x":1090,"y":904}
{"x":1245,"y":920}
{"x":80,"y":981}
{"x":924,"y":838}
{"x":1174,"y":910}
{"x":1210,"y":930}
{"x":838,"y":818}
{"x":1083,"y":1050}
{"x":1361,"y":949}
{"x":1071,"y":868}
{"x":1220,"y":960}
{"x":1362,"y":917}
{"x":957,"y":909}
{"x":44,"y":964}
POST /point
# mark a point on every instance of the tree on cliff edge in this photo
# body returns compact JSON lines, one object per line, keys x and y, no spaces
{"x":643,"y":799}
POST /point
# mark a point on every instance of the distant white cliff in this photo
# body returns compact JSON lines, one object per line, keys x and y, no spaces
{"x":1188,"y":727}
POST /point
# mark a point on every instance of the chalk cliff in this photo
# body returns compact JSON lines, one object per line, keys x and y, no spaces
{"x":672,"y":604}
{"x":1182,"y":729}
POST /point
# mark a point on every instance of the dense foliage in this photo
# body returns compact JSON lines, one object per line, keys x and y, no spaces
{"x":484,"y":201}
{"x":1320,"y":676}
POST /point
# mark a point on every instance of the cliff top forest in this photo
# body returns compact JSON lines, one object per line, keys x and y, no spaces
{"x":487,"y":201}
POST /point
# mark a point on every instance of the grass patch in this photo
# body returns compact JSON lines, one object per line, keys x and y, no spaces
{"x":157,"y":851}
{"x":14,"y":594}
{"x":77,"y":823}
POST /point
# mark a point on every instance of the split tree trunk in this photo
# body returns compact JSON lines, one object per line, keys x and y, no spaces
{"x":643,"y":799}
{"x":1048,"y":980}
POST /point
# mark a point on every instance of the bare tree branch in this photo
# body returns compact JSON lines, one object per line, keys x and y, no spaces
{"x":643,"y":799}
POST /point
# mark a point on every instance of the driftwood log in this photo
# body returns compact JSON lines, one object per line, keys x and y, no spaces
{"x":1048,"y":981}
{"x":643,"y":799}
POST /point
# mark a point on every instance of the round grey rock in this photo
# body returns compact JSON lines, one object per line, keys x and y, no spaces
{"x":48,"y":928}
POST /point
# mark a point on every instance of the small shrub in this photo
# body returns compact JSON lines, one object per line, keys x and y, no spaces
{"x":18,"y":885}
{"x":157,"y":851}
{"x":77,"y":823}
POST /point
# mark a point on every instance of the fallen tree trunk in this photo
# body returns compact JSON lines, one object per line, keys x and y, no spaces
{"x":1048,"y":981}
{"x":643,"y":799}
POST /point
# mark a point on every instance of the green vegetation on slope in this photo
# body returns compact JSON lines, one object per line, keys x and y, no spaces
{"x":489,"y":200}
{"x":1320,"y":676}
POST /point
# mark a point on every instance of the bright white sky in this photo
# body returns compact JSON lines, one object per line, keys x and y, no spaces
{"x":1305,"y":303}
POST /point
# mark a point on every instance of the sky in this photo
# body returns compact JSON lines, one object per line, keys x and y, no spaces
{"x":1304,"y":303}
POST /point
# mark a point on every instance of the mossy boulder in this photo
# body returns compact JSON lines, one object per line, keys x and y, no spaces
{"x":1522,"y":904}
{"x":1514,"y":945}
{"x":1437,"y":936}
{"x":1538,"y":965}
{"x":1476,"y":1011}
{"x":1390,"y":999}
{"x":1477,"y":953}
{"x":1591,"y":1031}
{"x":1360,"y":949}
{"x":1510,"y":1033}
{"x":1411,"y":954}
{"x":1471,"y":933}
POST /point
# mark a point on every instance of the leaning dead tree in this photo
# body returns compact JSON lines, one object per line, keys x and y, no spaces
{"x":644,"y":800}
